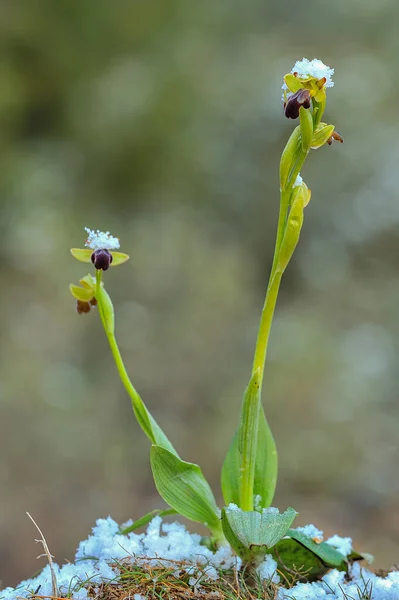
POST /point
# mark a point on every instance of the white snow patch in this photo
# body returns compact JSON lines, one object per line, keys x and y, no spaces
{"x":169,"y":544}
{"x":343,"y":545}
{"x":311,"y":531}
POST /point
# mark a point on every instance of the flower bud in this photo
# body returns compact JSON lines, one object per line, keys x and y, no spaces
{"x":101,"y":259}
{"x":294,"y":103}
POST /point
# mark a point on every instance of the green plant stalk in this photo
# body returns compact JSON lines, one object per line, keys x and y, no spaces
{"x":144,"y":418}
{"x":275,"y":277}
{"x":250,"y":413}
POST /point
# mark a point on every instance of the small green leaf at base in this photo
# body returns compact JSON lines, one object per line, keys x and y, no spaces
{"x":328,"y":554}
{"x":146,"y":519}
{"x":308,"y":559}
{"x":251,"y":534}
{"x":183,"y":486}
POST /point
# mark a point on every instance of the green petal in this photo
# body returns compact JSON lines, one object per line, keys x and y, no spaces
{"x":82,"y":254}
{"x":322,"y":133}
{"x":79,"y":293}
{"x":118,"y":258}
{"x":88,"y":282}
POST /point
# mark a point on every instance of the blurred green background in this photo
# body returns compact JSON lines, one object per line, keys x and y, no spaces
{"x":162,"y":122}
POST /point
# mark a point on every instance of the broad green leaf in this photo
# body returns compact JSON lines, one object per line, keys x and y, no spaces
{"x":265,"y":477}
{"x":252,"y":533}
{"x":147,"y":518}
{"x":182,"y":485}
{"x":329,"y":555}
{"x":82,"y":254}
{"x":118,"y":258}
{"x":81,"y":293}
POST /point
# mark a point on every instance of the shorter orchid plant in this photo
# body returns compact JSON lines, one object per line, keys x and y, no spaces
{"x":249,"y":472}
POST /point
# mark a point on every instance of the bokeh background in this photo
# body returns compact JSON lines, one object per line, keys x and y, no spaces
{"x":162,"y":122}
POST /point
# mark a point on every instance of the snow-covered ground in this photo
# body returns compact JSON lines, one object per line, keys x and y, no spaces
{"x":168,"y":543}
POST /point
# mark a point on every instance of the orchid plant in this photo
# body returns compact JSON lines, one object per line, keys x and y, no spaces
{"x":249,"y":472}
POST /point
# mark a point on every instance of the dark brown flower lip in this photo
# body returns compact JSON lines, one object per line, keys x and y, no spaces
{"x":82,"y":307}
{"x":294,"y":103}
{"x":101,"y":259}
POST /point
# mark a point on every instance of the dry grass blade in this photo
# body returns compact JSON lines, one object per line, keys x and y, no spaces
{"x":48,"y":555}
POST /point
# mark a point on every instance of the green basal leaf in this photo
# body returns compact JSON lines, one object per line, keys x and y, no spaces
{"x":292,"y":557}
{"x":182,"y":485}
{"x":326,"y":553}
{"x":303,"y":555}
{"x":265,"y":476}
{"x":80,"y":293}
{"x":252,"y":533}
{"x":82,"y":254}
{"x":158,"y":512}
{"x":118,"y":258}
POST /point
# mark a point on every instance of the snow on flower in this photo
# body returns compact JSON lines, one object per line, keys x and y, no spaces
{"x":100,"y":240}
{"x":312,"y":68}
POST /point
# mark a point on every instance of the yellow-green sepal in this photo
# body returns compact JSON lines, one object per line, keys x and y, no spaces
{"x":118,"y":258}
{"x":82,"y":254}
{"x":293,"y":83}
{"x":322,"y":133}
{"x":81,"y":293}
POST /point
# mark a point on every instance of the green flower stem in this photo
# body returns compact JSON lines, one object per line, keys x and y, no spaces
{"x":143,"y":416}
{"x":275,"y":277}
{"x":115,"y":349}
{"x":251,"y":417}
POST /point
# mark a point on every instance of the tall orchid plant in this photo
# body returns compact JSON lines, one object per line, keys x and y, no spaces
{"x":249,"y":472}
